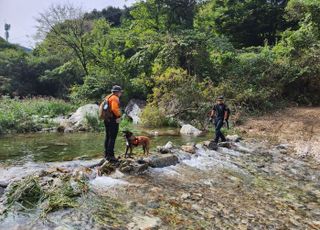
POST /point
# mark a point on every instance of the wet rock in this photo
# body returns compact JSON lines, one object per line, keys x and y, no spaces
{"x":42,"y":147}
{"x":282,"y":148}
{"x":213,"y":145}
{"x":163,"y":150}
{"x":57,"y":183}
{"x":4,"y":184}
{"x":233,"y":138}
{"x":77,"y":190}
{"x":133,"y":167}
{"x":83,"y":173}
{"x":185,"y":196}
{"x":169,"y":145}
{"x":164,"y":160}
{"x":106,"y":168}
{"x":144,"y":223}
{"x":190,"y":130}
{"x":188,"y":148}
{"x":2,"y":191}
{"x":60,"y":129}
{"x":97,"y":164}
{"x":60,"y":144}
{"x":166,"y":148}
{"x":224,"y":145}
{"x":153,"y":205}
{"x":134,"y":109}
{"x":68,"y":130}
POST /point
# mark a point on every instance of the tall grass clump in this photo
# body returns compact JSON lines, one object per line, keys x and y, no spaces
{"x":32,"y":114}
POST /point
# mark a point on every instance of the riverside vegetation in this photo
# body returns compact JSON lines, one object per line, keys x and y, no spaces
{"x":177,"y":55}
{"x":31,"y":115}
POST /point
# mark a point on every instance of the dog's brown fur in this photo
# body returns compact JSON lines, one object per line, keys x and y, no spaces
{"x":134,"y":141}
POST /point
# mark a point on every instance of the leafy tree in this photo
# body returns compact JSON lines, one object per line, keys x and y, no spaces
{"x":66,"y":26}
{"x":113,"y":15}
{"x":106,"y":66}
{"x":181,"y":96}
{"x":246,"y":23}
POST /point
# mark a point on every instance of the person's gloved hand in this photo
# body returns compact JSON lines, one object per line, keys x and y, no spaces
{"x":118,"y":120}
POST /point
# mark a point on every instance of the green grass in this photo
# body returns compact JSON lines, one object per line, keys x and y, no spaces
{"x":26,"y":115}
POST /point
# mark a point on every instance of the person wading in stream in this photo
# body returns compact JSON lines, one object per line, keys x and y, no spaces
{"x":111,"y":114}
{"x":220,"y":114}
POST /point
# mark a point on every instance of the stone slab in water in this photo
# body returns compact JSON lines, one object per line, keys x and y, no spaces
{"x":133,"y":167}
{"x":163,"y":160}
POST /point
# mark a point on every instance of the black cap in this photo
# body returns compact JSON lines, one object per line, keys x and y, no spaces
{"x":220,"y":98}
{"x":116,"y":88}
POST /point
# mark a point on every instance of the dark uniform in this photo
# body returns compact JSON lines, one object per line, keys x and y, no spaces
{"x":221,"y":111}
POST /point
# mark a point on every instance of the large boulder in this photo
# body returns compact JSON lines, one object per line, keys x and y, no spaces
{"x":163,"y":160}
{"x":78,"y":119}
{"x":134,"y":109}
{"x":190,"y":130}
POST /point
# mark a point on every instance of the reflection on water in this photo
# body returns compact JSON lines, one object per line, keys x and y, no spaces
{"x":50,"y":147}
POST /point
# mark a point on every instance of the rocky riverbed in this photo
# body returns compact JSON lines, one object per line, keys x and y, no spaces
{"x":240,"y":185}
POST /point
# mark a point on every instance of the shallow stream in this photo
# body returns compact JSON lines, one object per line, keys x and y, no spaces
{"x":253,"y":187}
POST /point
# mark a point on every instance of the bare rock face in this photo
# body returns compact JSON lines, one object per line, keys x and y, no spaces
{"x":134,"y":109}
{"x":190,"y":130}
{"x":79,"y":117}
{"x":78,"y":120}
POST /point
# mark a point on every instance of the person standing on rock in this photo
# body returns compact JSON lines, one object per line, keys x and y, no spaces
{"x":220,"y":114}
{"x":112,"y":117}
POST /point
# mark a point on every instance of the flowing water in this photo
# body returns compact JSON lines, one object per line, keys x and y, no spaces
{"x":252,"y":187}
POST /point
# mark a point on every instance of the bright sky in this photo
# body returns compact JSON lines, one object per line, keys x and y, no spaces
{"x":21,"y":15}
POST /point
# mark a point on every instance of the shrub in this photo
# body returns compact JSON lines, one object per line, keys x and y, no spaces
{"x":94,"y":122}
{"x":151,"y":116}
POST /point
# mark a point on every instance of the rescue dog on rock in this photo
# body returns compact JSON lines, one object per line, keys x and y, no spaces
{"x":134,"y":141}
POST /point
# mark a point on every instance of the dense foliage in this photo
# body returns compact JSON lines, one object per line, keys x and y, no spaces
{"x":31,"y":114}
{"x":177,"y":54}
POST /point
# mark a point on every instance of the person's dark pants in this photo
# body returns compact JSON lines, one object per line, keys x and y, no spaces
{"x":112,"y":129}
{"x":218,"y":123}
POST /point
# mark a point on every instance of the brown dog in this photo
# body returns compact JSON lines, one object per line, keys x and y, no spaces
{"x":134,"y":141}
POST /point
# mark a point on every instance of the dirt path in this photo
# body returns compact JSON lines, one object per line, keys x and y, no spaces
{"x":299,"y":127}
